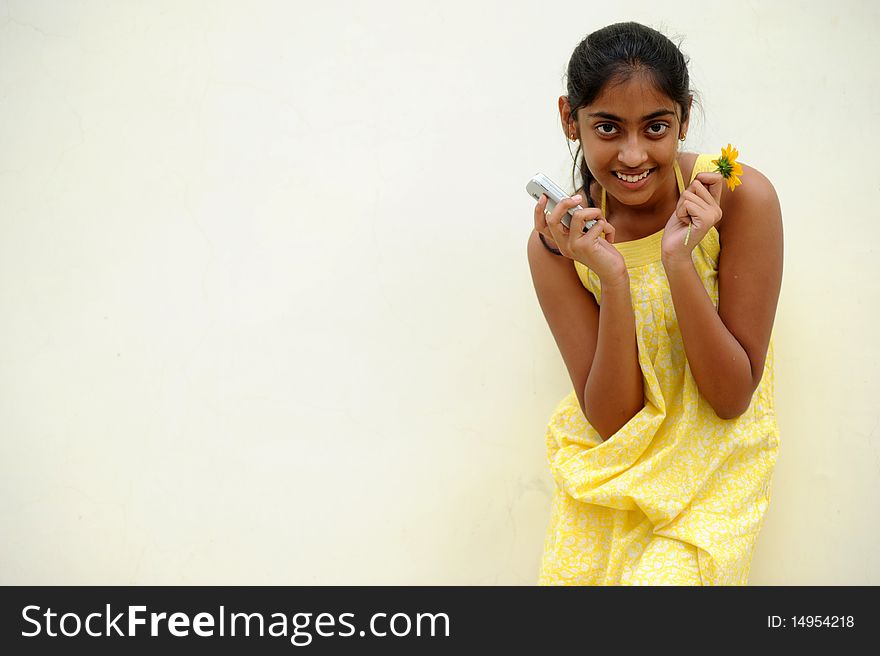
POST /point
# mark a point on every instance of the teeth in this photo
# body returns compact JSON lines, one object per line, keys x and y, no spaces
{"x":632,"y":178}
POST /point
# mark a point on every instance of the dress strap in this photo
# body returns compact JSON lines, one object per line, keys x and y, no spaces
{"x":678,"y":179}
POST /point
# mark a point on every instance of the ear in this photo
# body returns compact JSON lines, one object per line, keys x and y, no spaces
{"x":686,"y":122}
{"x":569,"y":122}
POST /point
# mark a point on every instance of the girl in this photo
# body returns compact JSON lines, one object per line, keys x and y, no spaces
{"x":664,"y":450}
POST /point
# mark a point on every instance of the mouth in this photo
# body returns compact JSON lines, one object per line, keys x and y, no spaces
{"x":633,"y":181}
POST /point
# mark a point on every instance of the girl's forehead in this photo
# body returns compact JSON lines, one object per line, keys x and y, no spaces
{"x":630,"y":97}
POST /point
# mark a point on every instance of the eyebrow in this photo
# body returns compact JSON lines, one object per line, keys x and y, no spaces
{"x":612,"y":117}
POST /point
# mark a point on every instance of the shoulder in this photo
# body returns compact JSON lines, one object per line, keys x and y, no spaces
{"x":752,"y":206}
{"x":686,"y":163}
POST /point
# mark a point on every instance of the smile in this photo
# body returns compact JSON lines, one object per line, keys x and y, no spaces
{"x":633,"y":178}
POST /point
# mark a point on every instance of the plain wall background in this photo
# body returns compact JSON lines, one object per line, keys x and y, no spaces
{"x":267,"y":313}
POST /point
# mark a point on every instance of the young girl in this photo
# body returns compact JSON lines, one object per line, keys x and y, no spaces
{"x":664,"y":450}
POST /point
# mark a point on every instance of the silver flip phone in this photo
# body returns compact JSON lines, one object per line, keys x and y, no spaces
{"x":541,"y":184}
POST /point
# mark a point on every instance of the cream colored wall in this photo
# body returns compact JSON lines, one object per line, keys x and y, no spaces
{"x":268,"y":316}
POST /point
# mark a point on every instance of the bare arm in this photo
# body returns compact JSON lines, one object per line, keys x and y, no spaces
{"x":726,"y":348}
{"x":614,"y":392}
{"x":598,"y":347}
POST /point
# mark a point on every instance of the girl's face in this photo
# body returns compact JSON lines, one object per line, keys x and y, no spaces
{"x":632,"y":130}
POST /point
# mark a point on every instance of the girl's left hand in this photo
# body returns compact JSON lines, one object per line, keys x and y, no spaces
{"x":699,"y":204}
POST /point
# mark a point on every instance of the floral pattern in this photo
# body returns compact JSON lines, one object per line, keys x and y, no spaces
{"x":678,"y":495}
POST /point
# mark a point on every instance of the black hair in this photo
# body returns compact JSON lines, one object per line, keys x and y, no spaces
{"x":614,"y":54}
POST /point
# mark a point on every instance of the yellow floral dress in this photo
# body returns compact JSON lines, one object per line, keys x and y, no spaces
{"x":678,"y":495}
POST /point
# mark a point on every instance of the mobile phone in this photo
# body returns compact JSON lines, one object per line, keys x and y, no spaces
{"x":541,"y":184}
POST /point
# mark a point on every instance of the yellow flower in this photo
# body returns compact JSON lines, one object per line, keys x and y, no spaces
{"x":728,"y":167}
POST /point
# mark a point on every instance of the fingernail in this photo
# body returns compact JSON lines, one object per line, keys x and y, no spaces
{"x":576,"y":198}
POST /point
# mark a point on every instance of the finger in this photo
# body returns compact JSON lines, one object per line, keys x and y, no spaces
{"x":581,"y":219}
{"x":583,"y":216}
{"x":704,"y":205}
{"x":554,"y":220}
{"x":709,"y":178}
{"x":607,"y":229}
{"x":693,"y":212}
{"x":688,"y":196}
{"x":703,"y":193}
{"x":681,"y":210}
{"x":596,"y":231}
{"x":540,"y":223}
{"x":553,"y":228}
{"x":714,"y":182}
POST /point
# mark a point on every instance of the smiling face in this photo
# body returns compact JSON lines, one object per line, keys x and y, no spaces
{"x":629,"y":135}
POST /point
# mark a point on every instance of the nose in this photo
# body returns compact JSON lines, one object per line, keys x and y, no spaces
{"x":632,"y":152}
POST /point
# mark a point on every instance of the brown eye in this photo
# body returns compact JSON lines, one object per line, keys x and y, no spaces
{"x":601,"y":130}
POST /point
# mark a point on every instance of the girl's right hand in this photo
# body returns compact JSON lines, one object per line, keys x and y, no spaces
{"x":589,"y":248}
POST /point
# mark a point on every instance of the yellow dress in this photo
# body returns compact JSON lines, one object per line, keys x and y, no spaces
{"x":678,"y":495}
